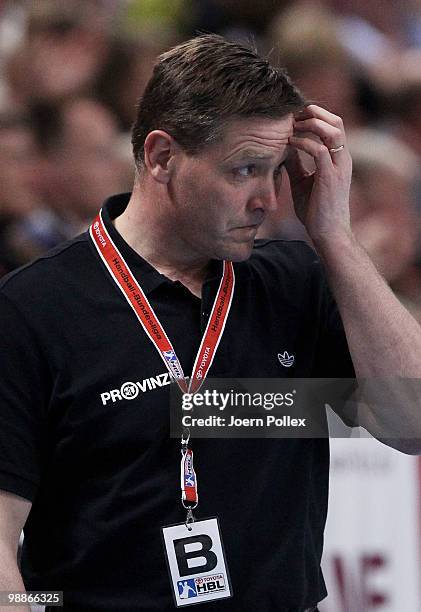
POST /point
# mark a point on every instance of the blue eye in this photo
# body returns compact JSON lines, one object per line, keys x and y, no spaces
{"x":246,"y":171}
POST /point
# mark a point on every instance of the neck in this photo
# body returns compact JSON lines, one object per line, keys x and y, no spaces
{"x":151,"y":234}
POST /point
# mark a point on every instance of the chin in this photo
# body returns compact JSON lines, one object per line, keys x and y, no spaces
{"x":238,"y":252}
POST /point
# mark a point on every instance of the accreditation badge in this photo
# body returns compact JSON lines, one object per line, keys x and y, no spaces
{"x":196,"y":562}
{"x":194,"y":550}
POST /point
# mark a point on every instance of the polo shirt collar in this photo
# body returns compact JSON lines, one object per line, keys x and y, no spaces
{"x":145,"y":273}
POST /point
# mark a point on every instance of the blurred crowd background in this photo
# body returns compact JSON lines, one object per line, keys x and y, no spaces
{"x":71,"y":72}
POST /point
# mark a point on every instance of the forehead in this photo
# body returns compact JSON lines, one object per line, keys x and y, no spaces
{"x":257,"y":135}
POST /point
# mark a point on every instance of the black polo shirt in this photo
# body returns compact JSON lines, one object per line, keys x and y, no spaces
{"x":99,"y":465}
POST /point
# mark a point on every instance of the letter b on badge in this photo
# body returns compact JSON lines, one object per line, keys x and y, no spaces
{"x":197,"y":547}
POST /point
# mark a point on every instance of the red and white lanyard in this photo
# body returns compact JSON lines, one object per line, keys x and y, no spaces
{"x":132,"y":291}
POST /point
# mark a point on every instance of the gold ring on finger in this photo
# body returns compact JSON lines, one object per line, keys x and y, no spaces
{"x":336,"y":149}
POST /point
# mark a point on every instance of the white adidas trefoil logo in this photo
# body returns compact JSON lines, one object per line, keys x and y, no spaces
{"x":285,"y":359}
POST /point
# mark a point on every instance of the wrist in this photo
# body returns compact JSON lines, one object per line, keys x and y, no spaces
{"x":336,"y":242}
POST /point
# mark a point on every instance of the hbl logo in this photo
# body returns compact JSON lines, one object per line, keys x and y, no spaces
{"x":210,"y":584}
{"x":186,"y":588}
{"x":194,"y":587}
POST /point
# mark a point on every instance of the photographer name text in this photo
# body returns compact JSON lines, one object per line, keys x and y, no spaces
{"x":218,"y":421}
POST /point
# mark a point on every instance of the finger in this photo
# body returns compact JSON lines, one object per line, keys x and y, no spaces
{"x":294,"y":165}
{"x":331,"y":136}
{"x":312,"y":110}
{"x":319,"y":152}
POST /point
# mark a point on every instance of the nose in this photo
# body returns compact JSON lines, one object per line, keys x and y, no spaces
{"x":265,"y":198}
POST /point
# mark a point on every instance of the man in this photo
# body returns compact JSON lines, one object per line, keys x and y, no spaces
{"x":84,"y":405}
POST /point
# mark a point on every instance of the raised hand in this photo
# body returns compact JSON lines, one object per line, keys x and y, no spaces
{"x":321,"y":198}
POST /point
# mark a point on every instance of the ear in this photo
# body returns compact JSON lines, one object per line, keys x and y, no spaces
{"x":159,"y":149}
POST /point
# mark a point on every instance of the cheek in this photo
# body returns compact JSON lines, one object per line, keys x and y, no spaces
{"x":207,"y":196}
{"x":207,"y":200}
{"x":197,"y":208}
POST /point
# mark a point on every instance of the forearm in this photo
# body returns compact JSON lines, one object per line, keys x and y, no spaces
{"x":10,"y":579}
{"x":384,"y":339}
{"x":385,"y":345}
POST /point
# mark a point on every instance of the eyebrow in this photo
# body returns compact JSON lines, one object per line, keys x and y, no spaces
{"x":249,"y":155}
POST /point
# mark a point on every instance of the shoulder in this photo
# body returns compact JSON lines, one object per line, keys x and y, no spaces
{"x":42,"y":274}
{"x":283,"y":272}
{"x":290,"y":257}
{"x":298,"y":249}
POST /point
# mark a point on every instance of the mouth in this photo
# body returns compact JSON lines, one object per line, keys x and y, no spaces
{"x":244,"y":233}
{"x":255,"y":226}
